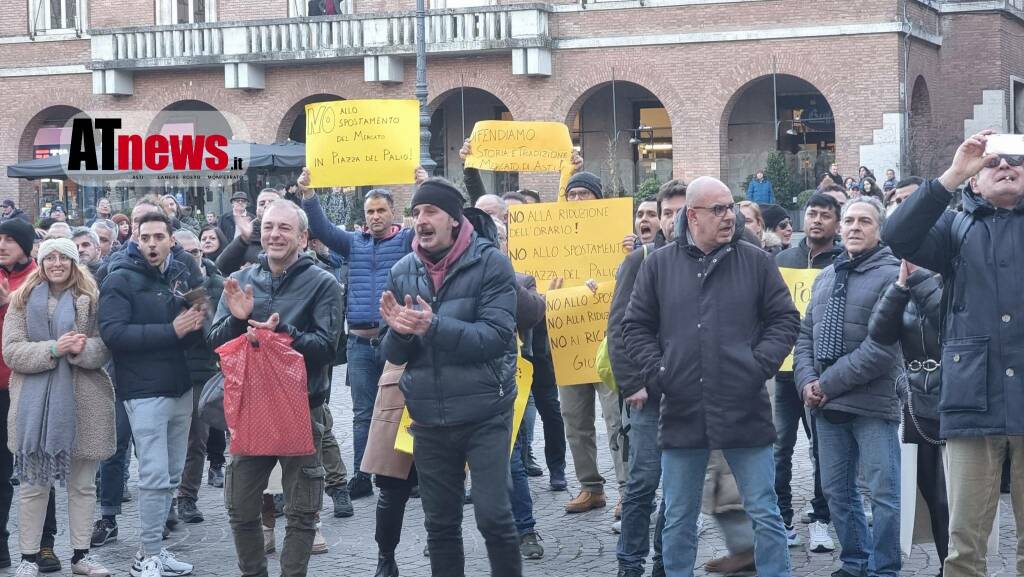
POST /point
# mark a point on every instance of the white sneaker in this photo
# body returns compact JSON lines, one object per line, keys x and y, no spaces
{"x":90,"y":566}
{"x":27,"y":569}
{"x":319,"y":543}
{"x":148,"y":567}
{"x":792,"y":537}
{"x":617,"y":527}
{"x":821,"y":541}
{"x":171,"y":567}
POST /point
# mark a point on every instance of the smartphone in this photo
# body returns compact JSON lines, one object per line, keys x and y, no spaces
{"x":1011,"y":144}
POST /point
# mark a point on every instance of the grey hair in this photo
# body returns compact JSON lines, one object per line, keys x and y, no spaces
{"x":183,"y":234}
{"x":303,"y":218}
{"x":104,"y":223}
{"x":869,"y":200}
{"x":502,"y":205}
{"x":82,"y":231}
{"x":51,"y":234}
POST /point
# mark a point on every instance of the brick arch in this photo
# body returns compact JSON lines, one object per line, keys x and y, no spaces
{"x":586,"y":82}
{"x":235,"y":126}
{"x":734,"y":83}
{"x":62,"y":112}
{"x":292,"y":114}
{"x":446,"y":80}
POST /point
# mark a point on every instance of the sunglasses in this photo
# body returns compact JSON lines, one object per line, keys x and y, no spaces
{"x":784,"y":224}
{"x":1011,"y":159}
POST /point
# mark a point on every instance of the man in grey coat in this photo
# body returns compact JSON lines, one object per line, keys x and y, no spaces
{"x":709,"y":321}
{"x":849,"y":380}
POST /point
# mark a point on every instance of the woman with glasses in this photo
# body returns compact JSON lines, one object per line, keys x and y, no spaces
{"x":61,"y":421}
{"x":778,"y":221}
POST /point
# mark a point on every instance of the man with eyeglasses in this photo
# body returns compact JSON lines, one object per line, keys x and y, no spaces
{"x":981,"y":404}
{"x":903,"y":190}
{"x":705,"y":344}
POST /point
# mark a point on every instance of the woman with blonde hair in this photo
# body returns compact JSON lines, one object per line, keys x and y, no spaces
{"x":770,"y":241}
{"x":61,"y":422}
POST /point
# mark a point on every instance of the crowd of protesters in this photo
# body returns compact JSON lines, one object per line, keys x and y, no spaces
{"x":910,"y":334}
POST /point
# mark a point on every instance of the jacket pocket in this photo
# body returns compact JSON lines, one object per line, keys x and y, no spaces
{"x":964,"y":375}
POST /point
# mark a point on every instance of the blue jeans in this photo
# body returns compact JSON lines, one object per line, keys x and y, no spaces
{"x":365,"y":365}
{"x":522,"y":501}
{"x":644,"y":478}
{"x":789,"y":411}
{"x":112,"y":471}
{"x":871,"y":447}
{"x":160,"y":426}
{"x":683,"y":483}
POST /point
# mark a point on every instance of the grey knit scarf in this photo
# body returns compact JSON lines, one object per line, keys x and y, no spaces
{"x":46,"y":407}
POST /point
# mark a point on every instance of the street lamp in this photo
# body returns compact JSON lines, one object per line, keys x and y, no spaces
{"x":421,"y":88}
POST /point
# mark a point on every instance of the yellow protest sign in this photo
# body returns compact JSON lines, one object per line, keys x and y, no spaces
{"x":799,"y":282}
{"x":577,"y":320}
{"x":576,"y":241}
{"x":514,"y":146}
{"x":524,"y":382}
{"x":362,"y":142}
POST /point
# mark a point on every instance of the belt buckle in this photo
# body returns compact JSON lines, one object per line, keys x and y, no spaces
{"x":374,"y":342}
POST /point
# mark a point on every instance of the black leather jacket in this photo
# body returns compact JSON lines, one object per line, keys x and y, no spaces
{"x":308,"y":300}
{"x":912,"y":316}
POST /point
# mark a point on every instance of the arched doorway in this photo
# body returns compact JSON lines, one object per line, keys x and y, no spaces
{"x":624,"y":134}
{"x":193,"y":117}
{"x":47,"y":134}
{"x":778,"y":113}
{"x":453,"y":115}
{"x":921,"y":152}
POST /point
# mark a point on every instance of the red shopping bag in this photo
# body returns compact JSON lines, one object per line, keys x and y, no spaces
{"x":265,"y":396}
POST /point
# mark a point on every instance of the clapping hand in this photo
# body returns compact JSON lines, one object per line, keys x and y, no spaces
{"x":406,"y":319}
{"x":270,"y":324}
{"x":240,"y":302}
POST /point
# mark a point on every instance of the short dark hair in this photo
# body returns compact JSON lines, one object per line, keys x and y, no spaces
{"x":835,"y":188}
{"x":671,"y":189}
{"x":530,"y":193}
{"x":910,"y":181}
{"x":156,"y":217}
{"x":513,"y":195}
{"x":380,"y":193}
{"x":820,"y":200}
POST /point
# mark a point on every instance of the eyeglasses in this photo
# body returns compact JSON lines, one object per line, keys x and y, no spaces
{"x":1011,"y":159}
{"x":580,"y":195}
{"x":718,"y":210}
{"x":784,"y":224}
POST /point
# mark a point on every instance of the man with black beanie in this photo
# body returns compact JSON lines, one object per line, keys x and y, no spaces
{"x":450,"y":309}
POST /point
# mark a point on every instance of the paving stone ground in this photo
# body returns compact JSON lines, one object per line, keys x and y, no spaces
{"x":575,"y":545}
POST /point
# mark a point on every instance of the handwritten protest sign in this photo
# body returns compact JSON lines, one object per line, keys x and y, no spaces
{"x":799,"y":282}
{"x":524,"y":382}
{"x":577,"y":320}
{"x":362,"y":142}
{"x":512,"y":146}
{"x":576,"y":241}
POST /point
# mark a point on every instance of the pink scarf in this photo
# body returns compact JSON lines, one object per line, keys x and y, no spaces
{"x":439,"y":270}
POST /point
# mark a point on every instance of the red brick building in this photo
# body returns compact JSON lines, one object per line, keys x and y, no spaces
{"x":697,"y":86}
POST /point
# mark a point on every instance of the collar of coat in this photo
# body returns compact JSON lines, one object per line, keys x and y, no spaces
{"x":976,"y":205}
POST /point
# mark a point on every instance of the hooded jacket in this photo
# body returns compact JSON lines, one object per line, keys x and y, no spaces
{"x":706,"y":332}
{"x":138,"y":303}
{"x":308,"y":300}
{"x":863,"y":381}
{"x":463,"y":370}
{"x":983,"y":339}
{"x":14,"y":279}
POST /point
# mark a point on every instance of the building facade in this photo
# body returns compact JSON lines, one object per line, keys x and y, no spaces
{"x":651,"y":89}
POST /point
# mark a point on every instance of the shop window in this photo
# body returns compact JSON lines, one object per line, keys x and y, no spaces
{"x":300,"y":8}
{"x":55,"y":15}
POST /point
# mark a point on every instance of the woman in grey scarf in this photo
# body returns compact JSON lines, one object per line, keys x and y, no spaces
{"x":61,"y":422}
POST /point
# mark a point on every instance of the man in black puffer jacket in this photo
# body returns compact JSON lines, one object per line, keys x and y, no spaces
{"x":148,"y":326}
{"x":450,"y":308}
{"x":285,"y":292}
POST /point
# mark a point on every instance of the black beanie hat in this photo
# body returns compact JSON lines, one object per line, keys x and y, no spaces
{"x":22,"y":232}
{"x":773,"y":214}
{"x":587,"y":180}
{"x":440,"y":193}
